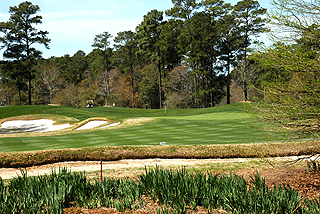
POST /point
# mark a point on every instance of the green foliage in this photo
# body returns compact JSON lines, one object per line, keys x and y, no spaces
{"x":180,"y":189}
{"x":289,"y":87}
{"x":148,"y":87}
{"x":149,"y":43}
{"x":289,"y":73}
{"x":177,"y":190}
{"x":20,"y":100}
{"x":96,"y":63}
{"x":77,"y":67}
{"x":51,"y":193}
{"x":101,"y":41}
{"x":19,"y":37}
{"x":125,"y":57}
{"x":249,"y":17}
{"x":126,"y":48}
{"x":304,"y":24}
{"x":168,"y":44}
{"x":183,"y":9}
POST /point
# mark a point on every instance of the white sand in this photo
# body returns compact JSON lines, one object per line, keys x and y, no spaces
{"x":92,"y":124}
{"x":44,"y":125}
{"x":20,"y":126}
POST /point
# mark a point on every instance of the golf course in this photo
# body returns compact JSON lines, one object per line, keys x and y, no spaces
{"x":229,"y":124}
{"x":218,"y":132}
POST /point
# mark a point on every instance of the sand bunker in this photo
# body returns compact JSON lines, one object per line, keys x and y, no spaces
{"x":22,"y":126}
{"x":44,"y":125}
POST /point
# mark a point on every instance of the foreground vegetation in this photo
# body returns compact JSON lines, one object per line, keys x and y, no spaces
{"x":174,"y":191}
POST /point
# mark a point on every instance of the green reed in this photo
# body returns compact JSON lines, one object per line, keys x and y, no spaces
{"x":62,"y":189}
{"x":181,"y":190}
{"x":175,"y":190}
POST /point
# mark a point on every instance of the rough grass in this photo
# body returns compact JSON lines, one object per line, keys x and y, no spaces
{"x":25,"y":159}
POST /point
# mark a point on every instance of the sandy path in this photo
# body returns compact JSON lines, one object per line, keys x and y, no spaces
{"x":7,"y":173}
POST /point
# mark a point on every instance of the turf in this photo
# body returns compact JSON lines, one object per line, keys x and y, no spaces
{"x":219,"y":125}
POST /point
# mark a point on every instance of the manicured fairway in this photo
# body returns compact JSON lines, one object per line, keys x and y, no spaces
{"x":218,"y":125}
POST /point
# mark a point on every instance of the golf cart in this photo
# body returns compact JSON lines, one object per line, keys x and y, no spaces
{"x":89,"y":103}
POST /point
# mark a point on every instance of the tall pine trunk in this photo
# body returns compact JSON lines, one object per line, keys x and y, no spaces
{"x":107,"y":81}
{"x":132,"y":82}
{"x":245,"y":89}
{"x":29,"y":89}
{"x":160,"y":89}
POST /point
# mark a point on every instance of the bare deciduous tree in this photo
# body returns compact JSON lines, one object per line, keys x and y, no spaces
{"x":50,"y":77}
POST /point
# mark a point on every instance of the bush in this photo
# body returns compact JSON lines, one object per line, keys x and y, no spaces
{"x":69,"y":96}
{"x":24,"y":99}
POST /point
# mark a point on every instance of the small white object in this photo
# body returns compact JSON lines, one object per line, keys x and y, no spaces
{"x":162,"y":143}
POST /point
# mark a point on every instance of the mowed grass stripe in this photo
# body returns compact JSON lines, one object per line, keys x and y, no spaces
{"x":213,"y":116}
{"x":129,"y":136}
{"x":219,"y":125}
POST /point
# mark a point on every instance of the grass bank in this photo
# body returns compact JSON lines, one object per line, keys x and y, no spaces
{"x":113,"y":153}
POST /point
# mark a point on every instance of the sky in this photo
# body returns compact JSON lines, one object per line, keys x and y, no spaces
{"x":72,"y":24}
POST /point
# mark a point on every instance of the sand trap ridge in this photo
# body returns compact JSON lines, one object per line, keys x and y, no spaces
{"x":92,"y":124}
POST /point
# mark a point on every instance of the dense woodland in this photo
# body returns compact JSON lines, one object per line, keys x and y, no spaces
{"x":193,"y":55}
{"x":181,"y":57}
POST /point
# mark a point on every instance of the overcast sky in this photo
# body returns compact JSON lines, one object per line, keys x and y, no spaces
{"x":72,"y":24}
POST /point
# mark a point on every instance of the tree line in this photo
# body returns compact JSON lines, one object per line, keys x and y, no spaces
{"x":183,"y":60}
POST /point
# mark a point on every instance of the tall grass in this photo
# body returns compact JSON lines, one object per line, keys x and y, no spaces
{"x":178,"y":190}
{"x":50,"y":194}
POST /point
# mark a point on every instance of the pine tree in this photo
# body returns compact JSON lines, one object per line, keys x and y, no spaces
{"x":20,"y":36}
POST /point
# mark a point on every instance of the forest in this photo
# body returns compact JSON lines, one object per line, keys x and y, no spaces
{"x":183,"y":60}
{"x":193,"y":55}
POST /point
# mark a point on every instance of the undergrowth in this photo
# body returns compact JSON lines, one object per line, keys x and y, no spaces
{"x":178,"y":190}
